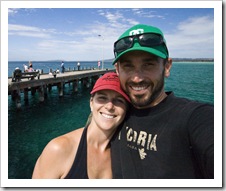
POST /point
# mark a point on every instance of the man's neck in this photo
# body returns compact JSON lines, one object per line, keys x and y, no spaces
{"x":158,"y":100}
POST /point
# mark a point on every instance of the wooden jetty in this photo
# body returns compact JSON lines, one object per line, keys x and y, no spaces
{"x":46,"y":81}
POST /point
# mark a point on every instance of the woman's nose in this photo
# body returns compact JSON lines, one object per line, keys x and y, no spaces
{"x":109,"y":105}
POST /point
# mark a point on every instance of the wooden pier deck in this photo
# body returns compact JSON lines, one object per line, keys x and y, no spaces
{"x":46,"y":81}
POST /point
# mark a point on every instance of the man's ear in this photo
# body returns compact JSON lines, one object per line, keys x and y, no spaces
{"x":168,"y":66}
{"x":117,"y":68}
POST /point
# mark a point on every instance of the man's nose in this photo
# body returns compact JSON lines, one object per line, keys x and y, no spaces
{"x":138,"y":75}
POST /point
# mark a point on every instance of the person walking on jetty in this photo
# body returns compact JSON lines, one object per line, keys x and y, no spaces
{"x":85,"y":152}
{"x":163,"y":136}
{"x":78,"y":65}
{"x":98,"y":65}
{"x":62,"y":67}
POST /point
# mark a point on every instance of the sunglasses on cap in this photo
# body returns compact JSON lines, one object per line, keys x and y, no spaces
{"x":145,"y":39}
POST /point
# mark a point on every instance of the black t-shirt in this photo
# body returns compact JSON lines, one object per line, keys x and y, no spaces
{"x":172,"y":140}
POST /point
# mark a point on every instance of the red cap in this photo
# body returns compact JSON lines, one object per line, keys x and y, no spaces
{"x":109,"y":81}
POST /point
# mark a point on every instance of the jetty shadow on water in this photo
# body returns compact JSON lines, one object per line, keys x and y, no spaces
{"x":36,"y":123}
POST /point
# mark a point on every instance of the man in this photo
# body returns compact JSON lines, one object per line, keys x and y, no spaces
{"x":163,"y":136}
{"x":62,"y":67}
{"x":78,"y":65}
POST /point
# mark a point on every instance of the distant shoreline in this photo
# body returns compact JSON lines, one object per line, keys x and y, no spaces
{"x":192,"y":60}
{"x":111,"y":60}
{"x":182,"y":60}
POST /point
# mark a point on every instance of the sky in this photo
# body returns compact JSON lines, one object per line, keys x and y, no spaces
{"x":88,"y":34}
{"x":72,"y":34}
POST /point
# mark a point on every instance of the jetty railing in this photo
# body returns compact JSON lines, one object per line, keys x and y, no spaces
{"x":45,"y":82}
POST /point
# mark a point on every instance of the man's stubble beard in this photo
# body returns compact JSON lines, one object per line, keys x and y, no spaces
{"x":144,"y":101}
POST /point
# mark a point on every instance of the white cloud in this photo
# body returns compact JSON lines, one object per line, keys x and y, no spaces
{"x":15,"y":11}
{"x":146,"y":13}
{"x":117,"y":18}
{"x":23,"y":30}
{"x":192,"y":38}
{"x":12,"y":12}
{"x":197,"y":26}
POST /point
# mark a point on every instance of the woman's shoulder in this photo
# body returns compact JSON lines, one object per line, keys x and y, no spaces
{"x":65,"y":144}
{"x":57,"y":157}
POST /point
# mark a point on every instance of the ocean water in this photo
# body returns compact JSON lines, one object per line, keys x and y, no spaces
{"x":35,"y":124}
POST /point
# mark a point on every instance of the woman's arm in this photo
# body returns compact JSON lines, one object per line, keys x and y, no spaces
{"x":53,"y":160}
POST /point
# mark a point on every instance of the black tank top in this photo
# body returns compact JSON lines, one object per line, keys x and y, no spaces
{"x":79,"y":167}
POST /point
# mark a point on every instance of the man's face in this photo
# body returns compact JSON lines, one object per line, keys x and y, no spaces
{"x":142,"y":77}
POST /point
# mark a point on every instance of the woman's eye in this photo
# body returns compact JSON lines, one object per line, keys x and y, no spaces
{"x":102,"y":98}
{"x":120,"y":101}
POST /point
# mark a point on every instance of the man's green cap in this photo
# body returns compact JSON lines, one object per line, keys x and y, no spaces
{"x":160,"y":51}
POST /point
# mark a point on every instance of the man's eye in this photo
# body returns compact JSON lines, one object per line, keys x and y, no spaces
{"x":148,"y":64}
{"x":127,"y":66}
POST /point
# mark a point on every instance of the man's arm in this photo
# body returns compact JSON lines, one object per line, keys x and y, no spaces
{"x":201,"y":131}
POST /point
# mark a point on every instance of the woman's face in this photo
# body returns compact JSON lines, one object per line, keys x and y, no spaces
{"x":108,"y":109}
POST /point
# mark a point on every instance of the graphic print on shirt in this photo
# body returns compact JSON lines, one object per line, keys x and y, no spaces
{"x":140,"y":141}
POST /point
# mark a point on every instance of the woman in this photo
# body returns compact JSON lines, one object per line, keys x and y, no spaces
{"x":85,"y":152}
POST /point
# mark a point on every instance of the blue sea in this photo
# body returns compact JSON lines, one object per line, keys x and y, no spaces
{"x":36,"y":123}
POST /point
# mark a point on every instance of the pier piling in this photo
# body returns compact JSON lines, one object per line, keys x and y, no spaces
{"x":44,"y":84}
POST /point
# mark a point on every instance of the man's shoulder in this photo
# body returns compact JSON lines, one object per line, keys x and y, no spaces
{"x":184,"y":107}
{"x":187,"y":102}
